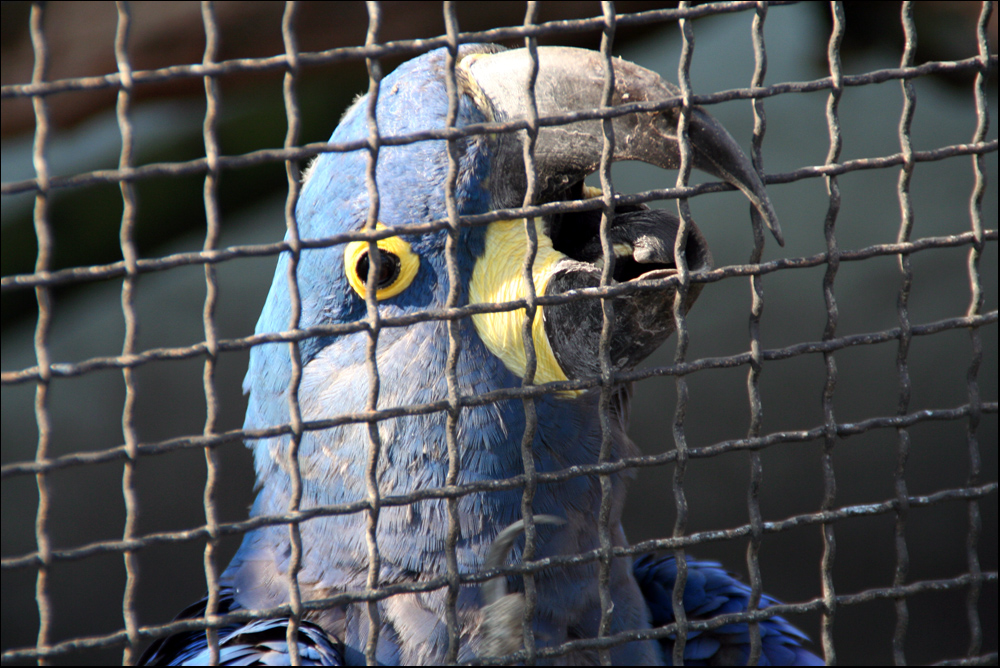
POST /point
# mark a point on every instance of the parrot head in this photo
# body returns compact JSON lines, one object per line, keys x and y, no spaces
{"x":410,"y":179}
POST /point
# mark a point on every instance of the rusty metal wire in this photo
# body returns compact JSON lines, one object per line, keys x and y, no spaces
{"x":902,"y":309}
{"x":530,"y":357}
{"x":130,"y":255}
{"x":827,"y":436}
{"x":43,"y":234}
{"x":679,"y":313}
{"x":454,"y":342}
{"x":117,"y":269}
{"x":976,"y":302}
{"x":294,"y":410}
{"x":199,"y":166}
{"x":829,"y":332}
{"x":607,"y":326}
{"x":212,"y":232}
{"x":374,"y":321}
{"x":756,"y":363}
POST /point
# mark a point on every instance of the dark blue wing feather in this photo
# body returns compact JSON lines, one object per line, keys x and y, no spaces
{"x":260,"y":642}
{"x":711,"y":591}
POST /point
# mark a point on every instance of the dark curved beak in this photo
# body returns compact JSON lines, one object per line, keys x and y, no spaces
{"x":572,"y":80}
{"x":643,"y":241}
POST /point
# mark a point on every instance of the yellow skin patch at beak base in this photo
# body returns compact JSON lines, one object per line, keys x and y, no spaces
{"x":498,"y":277}
{"x":409,"y":263}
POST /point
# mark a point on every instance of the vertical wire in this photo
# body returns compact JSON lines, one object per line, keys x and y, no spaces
{"x":295,"y":303}
{"x":830,"y":331}
{"x":374,"y":325}
{"x":454,"y":341}
{"x":130,"y":256}
{"x":976,"y":302}
{"x":210,"y":197}
{"x":756,"y":357}
{"x":680,"y":320}
{"x":906,"y":335}
{"x":607,"y":329}
{"x":530,"y":359}
{"x":43,"y":235}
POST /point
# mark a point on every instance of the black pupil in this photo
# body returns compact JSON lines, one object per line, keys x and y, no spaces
{"x":388,"y":268}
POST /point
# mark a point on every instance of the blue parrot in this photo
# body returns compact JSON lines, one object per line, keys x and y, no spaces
{"x":411,"y":276}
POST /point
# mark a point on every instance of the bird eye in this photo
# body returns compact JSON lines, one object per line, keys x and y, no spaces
{"x":388,"y":268}
{"x":397,"y":266}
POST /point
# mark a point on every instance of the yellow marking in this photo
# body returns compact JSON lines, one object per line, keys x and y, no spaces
{"x":409,"y":263}
{"x":498,"y":277}
{"x":590,"y":192}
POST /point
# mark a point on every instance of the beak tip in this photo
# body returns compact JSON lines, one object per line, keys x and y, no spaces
{"x":772,"y":224}
{"x":764,"y":211}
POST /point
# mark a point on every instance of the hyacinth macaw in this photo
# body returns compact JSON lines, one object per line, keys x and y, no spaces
{"x":412,"y":361}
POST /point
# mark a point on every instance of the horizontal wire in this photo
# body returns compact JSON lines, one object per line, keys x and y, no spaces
{"x":67,"y":370}
{"x":417,"y":46}
{"x":117,"y":269}
{"x":724,"y":362}
{"x":199,"y":166}
{"x":516,"y":482}
{"x":157,"y":631}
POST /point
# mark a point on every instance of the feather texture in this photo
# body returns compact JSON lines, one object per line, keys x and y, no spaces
{"x":709,"y":592}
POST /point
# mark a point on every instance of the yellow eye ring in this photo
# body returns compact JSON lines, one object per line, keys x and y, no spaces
{"x":398,"y":266}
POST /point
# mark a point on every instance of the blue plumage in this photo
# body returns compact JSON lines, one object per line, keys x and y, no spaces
{"x":261,"y":643}
{"x":411,"y":365}
{"x":710,"y":591}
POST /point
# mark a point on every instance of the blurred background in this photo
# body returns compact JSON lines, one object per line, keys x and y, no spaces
{"x":86,"y":410}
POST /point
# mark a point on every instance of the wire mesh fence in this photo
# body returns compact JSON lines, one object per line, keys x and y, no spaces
{"x":871,"y":340}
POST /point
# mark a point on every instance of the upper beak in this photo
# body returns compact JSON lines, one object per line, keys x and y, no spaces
{"x":572,"y":80}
